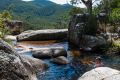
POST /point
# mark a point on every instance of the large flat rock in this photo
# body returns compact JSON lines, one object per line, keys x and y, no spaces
{"x":101,"y":73}
{"x":47,"y":34}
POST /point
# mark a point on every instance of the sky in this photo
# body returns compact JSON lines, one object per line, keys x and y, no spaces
{"x":56,"y":1}
{"x":65,"y":2}
{"x":59,"y":2}
{"x":62,"y":2}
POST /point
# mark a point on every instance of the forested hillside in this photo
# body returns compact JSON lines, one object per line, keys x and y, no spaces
{"x":37,"y":14}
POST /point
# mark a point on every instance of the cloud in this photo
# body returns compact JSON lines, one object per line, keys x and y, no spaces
{"x":68,"y":1}
{"x":60,"y":1}
{"x":65,"y":2}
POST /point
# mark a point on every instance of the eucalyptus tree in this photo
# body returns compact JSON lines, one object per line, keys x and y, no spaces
{"x":87,"y":3}
{"x":91,"y":26}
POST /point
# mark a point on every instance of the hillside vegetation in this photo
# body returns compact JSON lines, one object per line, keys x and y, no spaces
{"x":37,"y":14}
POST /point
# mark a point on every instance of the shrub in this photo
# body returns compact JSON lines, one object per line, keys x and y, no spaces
{"x":3,"y":28}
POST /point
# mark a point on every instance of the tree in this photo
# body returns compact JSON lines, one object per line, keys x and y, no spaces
{"x":62,"y":21}
{"x":115,"y":14}
{"x":112,"y":8}
{"x":5,"y":15}
{"x":90,"y":24}
{"x":87,"y":3}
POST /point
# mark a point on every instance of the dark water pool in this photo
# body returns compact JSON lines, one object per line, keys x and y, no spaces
{"x":79,"y":63}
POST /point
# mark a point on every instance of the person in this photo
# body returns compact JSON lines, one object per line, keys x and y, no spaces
{"x":98,"y":62}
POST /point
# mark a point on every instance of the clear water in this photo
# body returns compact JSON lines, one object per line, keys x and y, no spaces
{"x":79,"y":63}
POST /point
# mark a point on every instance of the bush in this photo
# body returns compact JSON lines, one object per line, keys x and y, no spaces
{"x":3,"y":28}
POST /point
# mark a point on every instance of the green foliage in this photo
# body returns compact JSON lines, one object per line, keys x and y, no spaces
{"x":115,"y":15}
{"x":115,"y":3}
{"x":75,"y":10}
{"x":112,"y":9}
{"x":87,"y":3}
{"x":96,"y":10}
{"x":116,"y":44}
{"x":5,"y":15}
{"x":38,"y":14}
{"x":62,"y":21}
{"x":115,"y":11}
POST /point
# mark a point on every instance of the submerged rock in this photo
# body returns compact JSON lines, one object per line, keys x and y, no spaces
{"x":38,"y":35}
{"x":44,"y":53}
{"x":101,"y":73}
{"x":16,"y":67}
{"x":60,"y":60}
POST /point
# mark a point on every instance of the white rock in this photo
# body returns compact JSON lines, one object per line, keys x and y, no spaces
{"x":10,"y":37}
{"x":101,"y":73}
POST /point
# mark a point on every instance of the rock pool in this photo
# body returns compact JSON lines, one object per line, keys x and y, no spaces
{"x":79,"y":62}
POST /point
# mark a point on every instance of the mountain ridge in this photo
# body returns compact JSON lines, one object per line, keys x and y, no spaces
{"x":43,"y":11}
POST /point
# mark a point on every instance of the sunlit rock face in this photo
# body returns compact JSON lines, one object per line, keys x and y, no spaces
{"x":101,"y":73}
{"x":16,"y":67}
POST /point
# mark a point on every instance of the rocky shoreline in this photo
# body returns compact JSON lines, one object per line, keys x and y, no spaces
{"x":26,"y":68}
{"x":16,"y":67}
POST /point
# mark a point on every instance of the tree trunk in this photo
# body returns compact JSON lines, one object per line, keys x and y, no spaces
{"x":88,"y":4}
